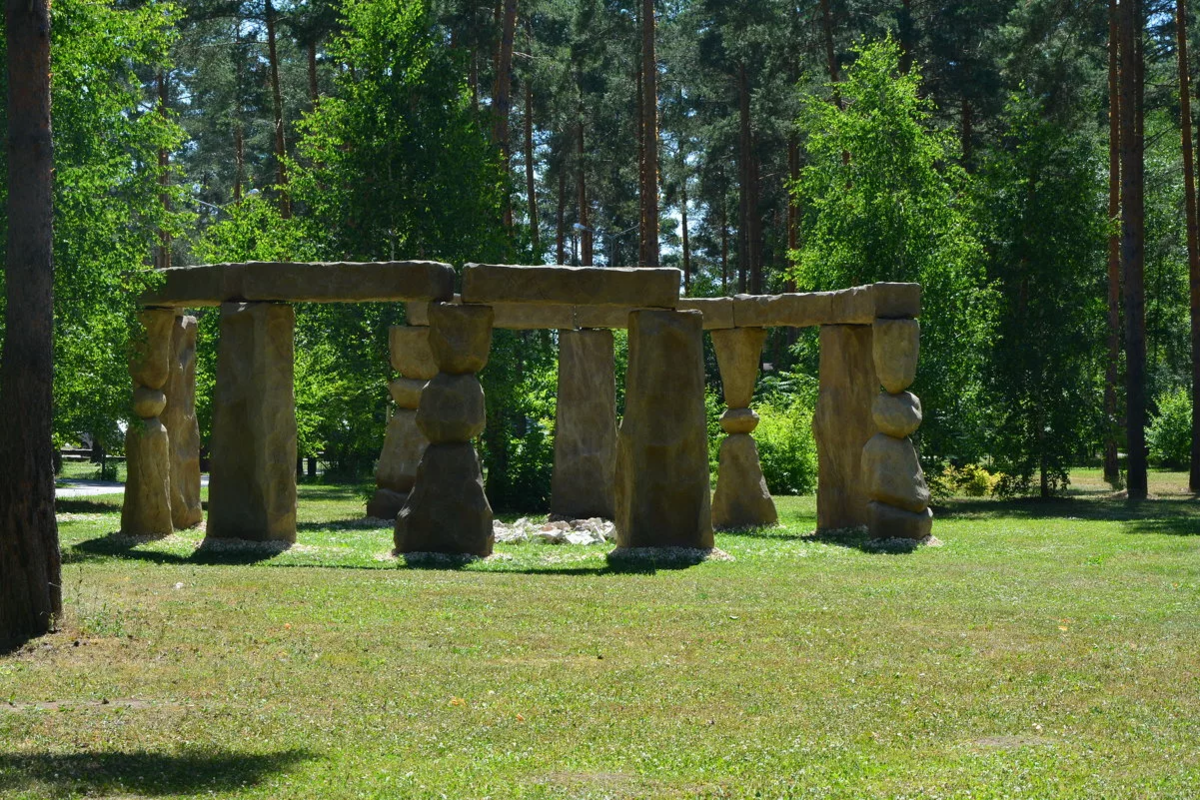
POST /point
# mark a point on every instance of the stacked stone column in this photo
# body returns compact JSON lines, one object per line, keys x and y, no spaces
{"x":662,"y":483}
{"x":585,"y":430}
{"x":447,"y":511}
{"x":898,"y":495}
{"x":404,"y":444}
{"x":146,"y":510}
{"x":183,"y":429}
{"x":742,"y":499}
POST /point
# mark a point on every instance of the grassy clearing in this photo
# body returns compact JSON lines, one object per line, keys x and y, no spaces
{"x":1046,"y":650}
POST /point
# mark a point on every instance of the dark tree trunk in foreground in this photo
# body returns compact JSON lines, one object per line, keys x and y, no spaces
{"x":285,"y":203}
{"x":1193,"y":233}
{"x":1112,"y":468}
{"x":1133,"y":254}
{"x":30,"y":570}
{"x":649,"y":101}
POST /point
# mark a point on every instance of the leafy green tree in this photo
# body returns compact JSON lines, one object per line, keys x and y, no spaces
{"x":882,"y":202}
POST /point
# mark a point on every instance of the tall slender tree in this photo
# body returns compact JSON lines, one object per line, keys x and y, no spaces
{"x":30,"y":566}
{"x":1112,"y":470}
{"x":285,"y":203}
{"x":1193,"y":234}
{"x":649,"y":125}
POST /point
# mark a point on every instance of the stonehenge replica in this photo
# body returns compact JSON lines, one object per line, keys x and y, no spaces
{"x":649,"y":474}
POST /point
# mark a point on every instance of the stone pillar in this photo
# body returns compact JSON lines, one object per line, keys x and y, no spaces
{"x":842,"y":424}
{"x":403,"y":444}
{"x":146,"y":509}
{"x":891,"y":472}
{"x":742,"y":499}
{"x":183,"y":430}
{"x":447,"y":510}
{"x":585,"y":427}
{"x":252,"y":491}
{"x":662,"y":487}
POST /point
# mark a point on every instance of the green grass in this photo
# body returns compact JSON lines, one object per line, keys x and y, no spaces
{"x":1047,"y":649}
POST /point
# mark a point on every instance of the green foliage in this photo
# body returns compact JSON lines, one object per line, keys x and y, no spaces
{"x":970,"y":480}
{"x":786,"y":448}
{"x":883,"y":202}
{"x":1170,"y":434}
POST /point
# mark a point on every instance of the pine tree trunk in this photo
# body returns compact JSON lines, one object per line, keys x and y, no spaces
{"x":967,"y":121}
{"x":649,"y":101}
{"x":530,"y":176}
{"x":744,"y":257}
{"x":724,"y":240}
{"x":30,"y":567}
{"x":1133,"y":243}
{"x":827,"y":31}
{"x":285,"y":203}
{"x":162,"y":255}
{"x":793,"y":208}
{"x":1112,"y":470}
{"x":585,"y":230}
{"x":314,"y":90}
{"x":1193,"y":231}
{"x":239,"y":135}
{"x":501,"y":104}
{"x":906,"y":37}
{"x":687,"y":251}
{"x":560,"y":237}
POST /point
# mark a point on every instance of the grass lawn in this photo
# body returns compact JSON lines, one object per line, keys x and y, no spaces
{"x":1047,"y":649}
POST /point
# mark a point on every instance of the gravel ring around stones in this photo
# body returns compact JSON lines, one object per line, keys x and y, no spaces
{"x":897,"y":545}
{"x":666,"y":555}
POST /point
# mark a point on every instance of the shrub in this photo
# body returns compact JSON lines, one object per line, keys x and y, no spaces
{"x":1170,"y":434}
{"x":971,"y":480}
{"x":785,"y":445}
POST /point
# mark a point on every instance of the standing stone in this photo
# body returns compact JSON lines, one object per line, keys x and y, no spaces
{"x":183,"y":429}
{"x":897,"y":415}
{"x":741,"y":499}
{"x":460,"y":337}
{"x":146,"y":510}
{"x":738,"y":353}
{"x":403,"y":443}
{"x":843,"y":424}
{"x":889,"y":522}
{"x":662,"y":486}
{"x":150,"y":362}
{"x":252,"y":494}
{"x":585,"y":428}
{"x":892,"y":473}
{"x":403,"y":446}
{"x":897,"y":344}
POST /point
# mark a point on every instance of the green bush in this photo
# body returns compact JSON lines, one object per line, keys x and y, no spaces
{"x":1170,"y":433}
{"x":785,"y":445}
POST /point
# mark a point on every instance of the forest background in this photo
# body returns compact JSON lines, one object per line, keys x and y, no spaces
{"x":760,"y":146}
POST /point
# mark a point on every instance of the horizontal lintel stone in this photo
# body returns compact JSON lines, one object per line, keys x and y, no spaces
{"x":335,"y":282}
{"x":632,"y":287}
{"x":718,"y":311}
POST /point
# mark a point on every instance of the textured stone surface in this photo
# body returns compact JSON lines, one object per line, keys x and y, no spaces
{"x":585,"y":430}
{"x":252,"y":494}
{"x":738,"y":353}
{"x":739,"y":420}
{"x":183,"y":429}
{"x":335,"y":282}
{"x":741,"y":499}
{"x":148,"y":403}
{"x":406,"y":392}
{"x":887,"y":522}
{"x":403,"y":446}
{"x":897,"y":415}
{"x":662,"y":481}
{"x":892,"y":474}
{"x":842,"y":424}
{"x":410,"y":352}
{"x":717,"y":311}
{"x":897,"y":300}
{"x":148,"y":363}
{"x":452,"y":409}
{"x":146,"y":509}
{"x":447,"y":511}
{"x":460,"y":337}
{"x":611,"y":286}
{"x":897,"y":347}
{"x":853,"y":306}
{"x":386,"y":504}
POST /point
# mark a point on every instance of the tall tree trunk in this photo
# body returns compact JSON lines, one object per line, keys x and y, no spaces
{"x":724,"y":242}
{"x":744,"y":258}
{"x":162,"y":255}
{"x":560,"y":238}
{"x":239,"y":134}
{"x":501,"y":94}
{"x":649,"y":101}
{"x":585,"y":230}
{"x":1133,"y":243}
{"x":687,"y":250}
{"x":314,"y":90}
{"x":281,"y":178}
{"x":1193,"y":231}
{"x":530,"y":181}
{"x":967,"y":123}
{"x":1112,"y":469}
{"x":907,"y":34}
{"x":827,"y":33}
{"x":30,"y":567}
{"x":793,"y":208}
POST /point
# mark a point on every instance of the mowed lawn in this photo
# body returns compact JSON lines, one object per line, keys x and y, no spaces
{"x":1044,"y":650}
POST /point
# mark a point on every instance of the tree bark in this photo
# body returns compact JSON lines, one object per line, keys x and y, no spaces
{"x":649,"y":101}
{"x":281,"y":178}
{"x":906,"y":37}
{"x":1133,"y":243}
{"x":724,"y":240}
{"x":585,"y":230}
{"x":30,"y":566}
{"x":687,"y":251}
{"x":1112,"y":470}
{"x":239,"y":135}
{"x":827,"y":31}
{"x":314,"y":90}
{"x":1193,"y":231}
{"x":530,"y":177}
{"x":967,"y":123}
{"x":162,"y":255}
{"x":560,"y":239}
{"x":501,"y":104}
{"x":744,"y":248}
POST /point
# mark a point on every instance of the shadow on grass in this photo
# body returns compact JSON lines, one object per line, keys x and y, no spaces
{"x":142,"y":773}
{"x":1158,"y":516}
{"x":79,"y":505}
{"x":115,"y":545}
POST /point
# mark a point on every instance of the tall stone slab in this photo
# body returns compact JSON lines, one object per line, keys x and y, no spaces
{"x":403,"y":443}
{"x":252,"y":491}
{"x":662,"y":482}
{"x":146,"y":508}
{"x":183,"y":429}
{"x":585,"y":428}
{"x":843,"y":424}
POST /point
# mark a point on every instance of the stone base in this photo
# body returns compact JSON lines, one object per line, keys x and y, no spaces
{"x":741,"y":499}
{"x":146,"y":510}
{"x":889,"y":522}
{"x":447,"y":511}
{"x":386,"y":504}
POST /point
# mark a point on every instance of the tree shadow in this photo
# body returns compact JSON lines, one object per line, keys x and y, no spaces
{"x":141,"y":773}
{"x":1164,"y":516}
{"x":82,"y":505}
{"x":212,"y":552}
